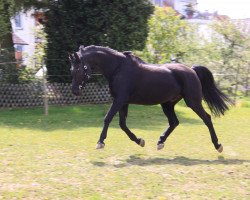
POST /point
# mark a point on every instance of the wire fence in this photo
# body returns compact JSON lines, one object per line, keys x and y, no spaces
{"x":38,"y":92}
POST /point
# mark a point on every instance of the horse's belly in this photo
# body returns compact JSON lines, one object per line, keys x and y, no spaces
{"x":156,"y":96}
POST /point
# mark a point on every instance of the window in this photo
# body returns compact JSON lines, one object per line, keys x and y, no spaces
{"x":18,"y":21}
{"x":19,"y":52}
{"x":19,"y":48}
{"x":158,"y":2}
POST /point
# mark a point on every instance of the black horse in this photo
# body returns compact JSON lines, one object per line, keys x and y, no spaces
{"x":132,"y":81}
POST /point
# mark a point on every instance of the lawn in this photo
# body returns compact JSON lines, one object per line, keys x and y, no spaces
{"x":54,"y":157}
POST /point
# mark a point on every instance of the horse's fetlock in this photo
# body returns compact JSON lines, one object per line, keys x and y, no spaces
{"x":176,"y":124}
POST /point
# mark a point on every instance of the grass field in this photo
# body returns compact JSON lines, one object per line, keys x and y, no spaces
{"x":54,"y":157}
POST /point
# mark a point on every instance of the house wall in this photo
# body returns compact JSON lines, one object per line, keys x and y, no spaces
{"x":180,"y":5}
{"x":26,"y":33}
{"x":158,"y":2}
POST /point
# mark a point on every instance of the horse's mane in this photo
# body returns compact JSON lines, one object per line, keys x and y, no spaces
{"x":105,"y":49}
{"x":135,"y":58}
{"x":128,"y":54}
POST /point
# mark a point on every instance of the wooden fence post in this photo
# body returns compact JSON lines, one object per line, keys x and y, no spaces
{"x":45,"y":94}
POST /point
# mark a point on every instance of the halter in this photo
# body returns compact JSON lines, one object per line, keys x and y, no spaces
{"x":87,"y":74}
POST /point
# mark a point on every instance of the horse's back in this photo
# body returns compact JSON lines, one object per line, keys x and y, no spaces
{"x":168,"y":82}
{"x":153,"y":84}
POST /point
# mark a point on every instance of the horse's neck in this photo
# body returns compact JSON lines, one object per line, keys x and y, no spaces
{"x":109,"y":68}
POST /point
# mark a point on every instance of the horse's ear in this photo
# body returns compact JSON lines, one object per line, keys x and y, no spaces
{"x":76,"y":56}
{"x":70,"y":56}
{"x":81,"y":49}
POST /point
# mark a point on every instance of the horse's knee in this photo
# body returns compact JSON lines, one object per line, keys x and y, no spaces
{"x":176,"y":123}
{"x":123,"y":126}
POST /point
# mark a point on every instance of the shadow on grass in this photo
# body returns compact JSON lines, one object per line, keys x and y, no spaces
{"x":71,"y":117}
{"x":179,"y":160}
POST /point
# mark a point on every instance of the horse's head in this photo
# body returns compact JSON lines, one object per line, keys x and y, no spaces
{"x":104,"y":59}
{"x":80,"y":73}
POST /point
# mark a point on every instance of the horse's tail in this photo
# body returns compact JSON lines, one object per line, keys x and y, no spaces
{"x":216,"y":100}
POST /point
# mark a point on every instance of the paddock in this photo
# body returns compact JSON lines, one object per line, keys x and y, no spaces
{"x":54,"y":157}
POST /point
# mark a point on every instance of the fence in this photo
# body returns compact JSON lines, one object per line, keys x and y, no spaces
{"x":41,"y":93}
{"x":32,"y":94}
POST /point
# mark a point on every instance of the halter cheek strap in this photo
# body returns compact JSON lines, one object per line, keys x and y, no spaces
{"x":87,"y":71}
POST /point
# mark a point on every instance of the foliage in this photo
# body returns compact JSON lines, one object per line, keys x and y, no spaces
{"x":36,"y":62}
{"x":224,"y":49}
{"x":233,"y":51}
{"x":226,"y":52}
{"x":4,"y":22}
{"x":168,"y":36}
{"x":8,"y":71}
{"x":6,"y":44}
{"x":119,"y":24}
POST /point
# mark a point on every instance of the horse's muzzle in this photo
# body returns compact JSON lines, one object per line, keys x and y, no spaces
{"x":76,"y":91}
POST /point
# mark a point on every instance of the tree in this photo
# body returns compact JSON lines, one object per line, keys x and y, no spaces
{"x":8,"y":70}
{"x":168,"y":36}
{"x":229,"y":51}
{"x":119,"y":24}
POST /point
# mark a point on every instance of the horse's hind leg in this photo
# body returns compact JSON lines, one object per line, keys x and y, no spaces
{"x":168,"y":109}
{"x":199,"y":110}
{"x":123,"y":113}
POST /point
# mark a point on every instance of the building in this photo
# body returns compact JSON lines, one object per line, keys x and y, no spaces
{"x":24,"y":39}
{"x":188,"y":10}
{"x":184,"y":7}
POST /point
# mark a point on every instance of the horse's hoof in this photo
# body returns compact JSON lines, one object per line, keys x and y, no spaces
{"x":220,"y":149}
{"x":100,"y":145}
{"x":160,"y":146}
{"x":142,"y":142}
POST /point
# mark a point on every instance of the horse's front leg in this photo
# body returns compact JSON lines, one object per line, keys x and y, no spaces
{"x":115,"y":107}
{"x":123,"y":113}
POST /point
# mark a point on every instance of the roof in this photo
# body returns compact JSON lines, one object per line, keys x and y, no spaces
{"x":18,"y":40}
{"x":243,"y":25}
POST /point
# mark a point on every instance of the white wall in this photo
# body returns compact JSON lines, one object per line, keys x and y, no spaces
{"x":180,"y":5}
{"x":157,"y":2}
{"x":26,"y":33}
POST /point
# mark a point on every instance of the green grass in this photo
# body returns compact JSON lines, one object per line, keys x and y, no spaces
{"x":54,"y":157}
